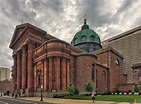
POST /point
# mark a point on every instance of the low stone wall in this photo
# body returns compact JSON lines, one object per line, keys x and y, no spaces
{"x":45,"y":94}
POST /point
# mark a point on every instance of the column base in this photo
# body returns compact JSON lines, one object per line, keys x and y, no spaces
{"x":28,"y":93}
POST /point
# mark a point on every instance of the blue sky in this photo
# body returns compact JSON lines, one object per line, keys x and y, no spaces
{"x":63,"y":18}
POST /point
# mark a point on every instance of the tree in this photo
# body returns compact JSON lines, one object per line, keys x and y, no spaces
{"x":136,"y":89}
{"x":88,"y":87}
{"x":71,"y":89}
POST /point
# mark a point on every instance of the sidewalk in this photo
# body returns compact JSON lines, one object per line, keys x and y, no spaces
{"x":69,"y":101}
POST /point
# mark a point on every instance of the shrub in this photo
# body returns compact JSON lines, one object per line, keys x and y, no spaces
{"x":64,"y":94}
{"x":88,"y":87}
{"x":136,"y":89}
{"x":116,"y":89}
{"x":56,"y":95}
{"x":71,"y":89}
{"x":61,"y":95}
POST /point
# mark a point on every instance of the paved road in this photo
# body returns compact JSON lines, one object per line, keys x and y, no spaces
{"x":6,"y":100}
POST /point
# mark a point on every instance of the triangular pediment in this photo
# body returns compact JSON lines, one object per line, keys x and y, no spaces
{"x":21,"y":29}
{"x":17,"y":33}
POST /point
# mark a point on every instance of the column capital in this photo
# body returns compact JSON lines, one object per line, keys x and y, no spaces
{"x":29,"y":41}
{"x":24,"y":46}
{"x":18,"y":52}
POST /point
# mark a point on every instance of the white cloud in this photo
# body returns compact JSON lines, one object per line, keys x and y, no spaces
{"x":63,"y":18}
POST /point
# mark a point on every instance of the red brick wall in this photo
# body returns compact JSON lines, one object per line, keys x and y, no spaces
{"x":101,"y":79}
{"x":83,"y":71}
{"x":72,"y":69}
{"x":108,"y":58}
{"x":115,"y":70}
{"x":126,"y":87}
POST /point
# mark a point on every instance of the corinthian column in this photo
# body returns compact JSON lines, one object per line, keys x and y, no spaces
{"x":58,"y":73}
{"x":14,"y":72}
{"x":45,"y":75}
{"x":23,"y":67}
{"x":18,"y":71}
{"x":50,"y":74}
{"x":30,"y":65}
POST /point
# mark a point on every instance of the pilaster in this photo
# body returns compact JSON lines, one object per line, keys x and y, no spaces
{"x":64,"y":78}
{"x":68,"y":72}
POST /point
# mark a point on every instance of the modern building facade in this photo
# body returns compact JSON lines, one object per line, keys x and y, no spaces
{"x":42,"y":61}
{"x":129,"y":45}
{"x":4,"y":74}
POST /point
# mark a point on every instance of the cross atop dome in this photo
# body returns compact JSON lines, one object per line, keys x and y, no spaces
{"x":85,"y":17}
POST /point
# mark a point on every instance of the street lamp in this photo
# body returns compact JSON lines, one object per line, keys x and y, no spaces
{"x":41,"y":90}
{"x":1,"y":90}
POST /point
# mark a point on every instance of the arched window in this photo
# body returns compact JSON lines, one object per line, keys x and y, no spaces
{"x":92,"y":38}
{"x":93,"y":72}
{"x":83,"y":38}
{"x":75,"y":40}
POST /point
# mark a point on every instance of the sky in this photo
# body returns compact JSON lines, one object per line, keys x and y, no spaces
{"x":63,"y":18}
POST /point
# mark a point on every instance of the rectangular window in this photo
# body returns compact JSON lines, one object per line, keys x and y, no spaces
{"x":92,"y":72}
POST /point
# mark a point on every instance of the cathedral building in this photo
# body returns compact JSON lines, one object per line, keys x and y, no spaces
{"x":42,"y":61}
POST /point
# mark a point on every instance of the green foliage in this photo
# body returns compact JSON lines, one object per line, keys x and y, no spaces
{"x":64,"y":94}
{"x":116,"y":89}
{"x":88,"y":87}
{"x":114,"y":98}
{"x":56,"y":95}
{"x":71,"y":89}
{"x":136,"y":89}
{"x":61,"y":95}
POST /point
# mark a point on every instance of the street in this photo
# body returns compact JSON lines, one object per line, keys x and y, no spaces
{"x":6,"y":100}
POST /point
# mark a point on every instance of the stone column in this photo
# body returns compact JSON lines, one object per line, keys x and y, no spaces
{"x":30,"y":66}
{"x":50,"y":74}
{"x":24,"y":67}
{"x":14,"y":72}
{"x":18,"y":71}
{"x":54,"y":74}
{"x":45,"y":75}
{"x":58,"y":73}
{"x":68,"y":72}
{"x":64,"y":78}
{"x":47,"y":70}
{"x":35,"y":76}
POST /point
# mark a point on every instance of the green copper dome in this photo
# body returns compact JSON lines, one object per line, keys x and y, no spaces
{"x":86,"y":38}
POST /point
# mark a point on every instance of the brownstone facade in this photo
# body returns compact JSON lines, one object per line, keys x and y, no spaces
{"x":41,"y":60}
